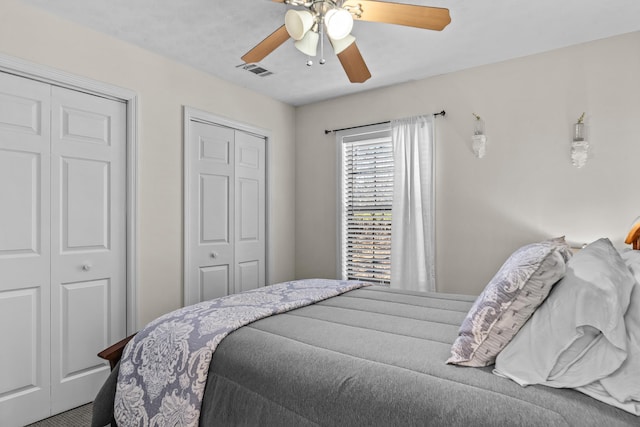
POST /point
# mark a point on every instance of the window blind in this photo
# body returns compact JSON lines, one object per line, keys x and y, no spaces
{"x":367,"y":196}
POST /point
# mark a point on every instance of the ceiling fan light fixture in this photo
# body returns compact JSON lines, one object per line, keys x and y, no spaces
{"x":298,"y":23}
{"x":341,"y":44}
{"x":309,"y":43}
{"x":339,"y":23}
{"x":335,"y":18}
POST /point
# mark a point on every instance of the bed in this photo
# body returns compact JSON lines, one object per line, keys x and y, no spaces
{"x":376,"y":356}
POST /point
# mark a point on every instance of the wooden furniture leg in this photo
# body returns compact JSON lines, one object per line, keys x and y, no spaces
{"x":114,"y":352}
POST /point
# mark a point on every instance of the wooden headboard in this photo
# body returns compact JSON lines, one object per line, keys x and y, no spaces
{"x":633,"y":238}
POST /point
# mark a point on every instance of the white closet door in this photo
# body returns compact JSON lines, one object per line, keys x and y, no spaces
{"x":211,"y":219}
{"x":88,"y":274}
{"x":24,"y":250}
{"x":249,"y":212}
{"x":225,"y":244}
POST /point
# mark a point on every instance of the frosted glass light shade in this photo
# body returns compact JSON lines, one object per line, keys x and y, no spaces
{"x":579,"y":153}
{"x":479,"y":145}
{"x":298,"y":22}
{"x":309,"y":43}
{"x":341,"y":44}
{"x":339,"y":23}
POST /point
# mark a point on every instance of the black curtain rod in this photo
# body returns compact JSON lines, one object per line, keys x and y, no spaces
{"x":326,"y":132}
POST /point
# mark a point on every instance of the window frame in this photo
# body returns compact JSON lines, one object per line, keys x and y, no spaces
{"x":371,"y":133}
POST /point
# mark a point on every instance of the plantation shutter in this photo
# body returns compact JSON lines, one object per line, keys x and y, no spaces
{"x":367,"y":196}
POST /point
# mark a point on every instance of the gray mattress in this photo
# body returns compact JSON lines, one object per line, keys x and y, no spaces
{"x":372,"y":356}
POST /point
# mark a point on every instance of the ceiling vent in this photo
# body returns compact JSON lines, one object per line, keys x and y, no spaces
{"x":256,"y":69}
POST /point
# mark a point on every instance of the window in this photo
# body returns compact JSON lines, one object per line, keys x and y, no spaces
{"x":366,"y":196}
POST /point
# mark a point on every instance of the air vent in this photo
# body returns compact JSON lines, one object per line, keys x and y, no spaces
{"x":256,"y":69}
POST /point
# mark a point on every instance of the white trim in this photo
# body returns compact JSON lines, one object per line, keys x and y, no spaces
{"x":339,"y":210}
{"x":55,"y":77}
{"x":194,"y":114}
{"x":132,"y":214}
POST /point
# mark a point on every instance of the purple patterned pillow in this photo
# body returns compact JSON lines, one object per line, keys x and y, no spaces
{"x":518,"y":288}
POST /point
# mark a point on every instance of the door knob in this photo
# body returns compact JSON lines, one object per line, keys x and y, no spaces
{"x":214,"y":254}
{"x":86,"y":267}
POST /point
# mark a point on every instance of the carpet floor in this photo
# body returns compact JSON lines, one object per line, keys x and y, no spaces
{"x":78,"y":417}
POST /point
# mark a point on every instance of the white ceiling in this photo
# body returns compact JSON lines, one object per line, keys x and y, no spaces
{"x":212,"y":35}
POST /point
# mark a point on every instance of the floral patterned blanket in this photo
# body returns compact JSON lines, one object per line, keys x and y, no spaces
{"x":164,"y":368}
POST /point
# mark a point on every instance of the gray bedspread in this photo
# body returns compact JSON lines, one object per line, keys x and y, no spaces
{"x":372,"y":357}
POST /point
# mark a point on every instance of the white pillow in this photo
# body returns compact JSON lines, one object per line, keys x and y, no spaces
{"x":631,"y":259}
{"x":622,"y":388}
{"x":578,"y":334}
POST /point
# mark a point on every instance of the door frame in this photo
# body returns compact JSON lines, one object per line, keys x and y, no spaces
{"x":194,"y":114}
{"x":45,"y":74}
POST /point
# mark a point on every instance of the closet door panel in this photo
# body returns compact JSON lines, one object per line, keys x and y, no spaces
{"x":85,"y":190}
{"x":88,"y":274}
{"x":211,"y":220}
{"x":248,"y":275}
{"x":24,"y":250}
{"x":20,"y":184}
{"x":214,"y":209}
{"x":20,"y":368}
{"x":214,"y":282}
{"x":250,"y":233}
{"x":80,"y":334}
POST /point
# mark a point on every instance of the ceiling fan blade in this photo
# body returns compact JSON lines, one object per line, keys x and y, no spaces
{"x":354,"y":65}
{"x":430,"y":18}
{"x":266,"y":46}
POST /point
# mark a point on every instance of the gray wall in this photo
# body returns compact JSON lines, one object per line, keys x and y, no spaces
{"x":525,"y":189}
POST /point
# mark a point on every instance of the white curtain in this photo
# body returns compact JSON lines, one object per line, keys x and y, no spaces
{"x":412,"y":228}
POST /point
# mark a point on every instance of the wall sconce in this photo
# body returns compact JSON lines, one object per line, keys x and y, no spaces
{"x":479,"y":139}
{"x":579,"y":145}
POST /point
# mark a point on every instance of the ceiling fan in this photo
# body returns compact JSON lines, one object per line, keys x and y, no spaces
{"x":335,"y":19}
